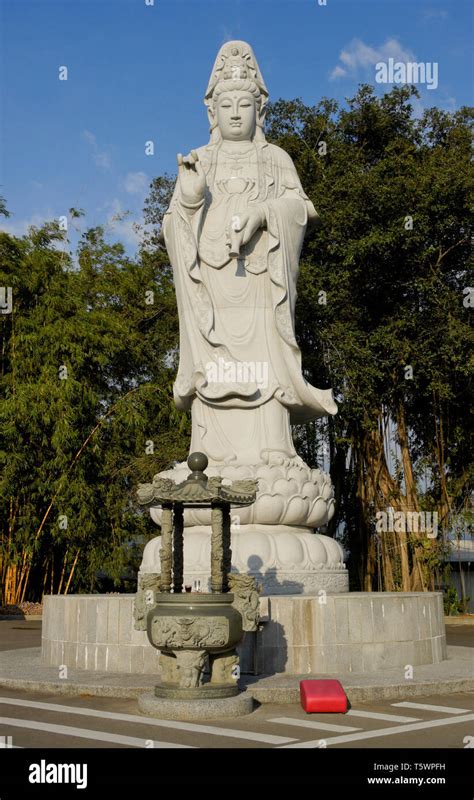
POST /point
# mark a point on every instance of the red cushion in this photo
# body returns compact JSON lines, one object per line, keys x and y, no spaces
{"x":323,"y":695}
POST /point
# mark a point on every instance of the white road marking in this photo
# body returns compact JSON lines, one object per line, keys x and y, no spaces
{"x":157,"y":723}
{"x":428,"y":707}
{"x":376,"y":715}
{"x":355,"y":737}
{"x":84,"y":733}
{"x":313,"y":723}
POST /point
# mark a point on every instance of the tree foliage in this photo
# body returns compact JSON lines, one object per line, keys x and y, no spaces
{"x":89,"y":354}
{"x":392,"y":332}
{"x":88,"y":360}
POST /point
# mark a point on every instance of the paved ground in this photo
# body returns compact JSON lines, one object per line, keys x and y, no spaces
{"x":461,"y":635}
{"x":17,"y":633}
{"x":42,"y":719}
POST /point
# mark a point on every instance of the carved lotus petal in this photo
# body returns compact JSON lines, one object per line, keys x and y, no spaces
{"x":278,"y":485}
{"x":331,"y":509}
{"x":285,"y":488}
{"x":237,"y":473}
{"x":266,"y":472}
{"x":243,"y":515}
{"x":290,"y":550}
{"x":309,"y":490}
{"x":296,"y":473}
{"x":296,"y":510}
{"x":247,"y":560}
{"x":327,"y":491}
{"x":318,"y":513}
{"x":317,"y":552}
{"x":277,"y":472}
{"x":333,"y":550}
{"x":269,"y":508}
{"x":279,"y":460}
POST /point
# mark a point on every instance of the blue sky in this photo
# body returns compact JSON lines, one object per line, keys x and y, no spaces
{"x":138,"y":72}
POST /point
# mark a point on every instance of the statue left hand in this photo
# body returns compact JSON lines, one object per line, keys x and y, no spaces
{"x":247,"y":224}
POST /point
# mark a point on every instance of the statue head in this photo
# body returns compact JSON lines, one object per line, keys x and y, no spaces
{"x":236,"y":114}
{"x":236,"y":96}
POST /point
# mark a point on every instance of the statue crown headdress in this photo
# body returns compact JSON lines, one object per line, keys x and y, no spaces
{"x":235,"y":61}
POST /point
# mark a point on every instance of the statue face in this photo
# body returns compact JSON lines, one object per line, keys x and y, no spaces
{"x":236,"y":116}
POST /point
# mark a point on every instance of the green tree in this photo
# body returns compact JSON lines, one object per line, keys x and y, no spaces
{"x":390,"y":331}
{"x":87,"y":366}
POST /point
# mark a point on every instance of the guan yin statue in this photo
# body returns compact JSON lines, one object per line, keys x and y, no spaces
{"x":234,"y":232}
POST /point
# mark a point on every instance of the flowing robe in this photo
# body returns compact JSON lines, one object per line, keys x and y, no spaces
{"x":240,"y":366}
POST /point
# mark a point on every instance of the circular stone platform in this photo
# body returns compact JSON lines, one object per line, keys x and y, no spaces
{"x":207,"y":708}
{"x":349,"y":632}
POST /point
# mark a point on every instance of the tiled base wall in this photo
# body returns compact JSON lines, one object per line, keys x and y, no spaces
{"x":331,"y":634}
{"x":352,"y":632}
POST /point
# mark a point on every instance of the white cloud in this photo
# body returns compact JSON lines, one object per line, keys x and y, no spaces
{"x":434,"y":13}
{"x":19,"y":227}
{"x":121,"y":224}
{"x":118,"y":223}
{"x":357,"y":57}
{"x":338,"y":72}
{"x":136,"y":182}
{"x":101,"y":157}
{"x":418,"y":107}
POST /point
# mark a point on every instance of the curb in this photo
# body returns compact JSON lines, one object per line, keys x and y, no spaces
{"x":73,"y":689}
{"x":22,"y":669}
{"x":369,"y":694}
{"x":281,"y":695}
{"x":24,"y":617}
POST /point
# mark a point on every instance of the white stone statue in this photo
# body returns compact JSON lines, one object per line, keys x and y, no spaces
{"x":234,"y":232}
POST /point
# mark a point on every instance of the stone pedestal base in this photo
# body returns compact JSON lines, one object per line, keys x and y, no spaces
{"x":208,"y":708}
{"x":283,"y":559}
